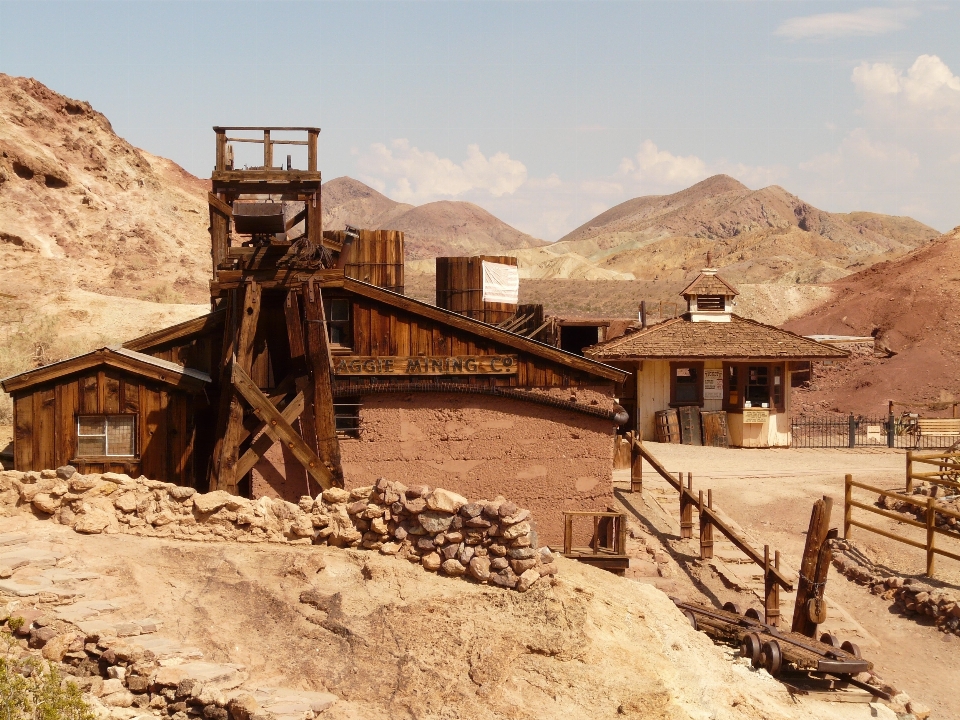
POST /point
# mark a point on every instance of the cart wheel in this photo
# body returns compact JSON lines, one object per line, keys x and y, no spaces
{"x":770,"y":657}
{"x":851,"y":648}
{"x":732,"y":607}
{"x":829,"y":639}
{"x":750,"y":648}
{"x":692,"y":618}
{"x":753,"y":614}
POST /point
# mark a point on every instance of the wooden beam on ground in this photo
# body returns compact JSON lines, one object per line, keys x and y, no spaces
{"x":813,"y":568}
{"x":319,"y":362}
{"x":275,"y":420}
{"x":263,"y":443}
{"x":227,"y":478}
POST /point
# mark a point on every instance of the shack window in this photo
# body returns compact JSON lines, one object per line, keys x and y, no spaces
{"x":733,"y":386}
{"x":710,"y":302}
{"x":106,"y":435}
{"x":346,"y":413}
{"x":686,"y":383}
{"x":758,"y":385}
{"x":338,"y":321}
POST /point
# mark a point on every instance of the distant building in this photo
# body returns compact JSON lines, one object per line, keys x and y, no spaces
{"x":711,"y":359}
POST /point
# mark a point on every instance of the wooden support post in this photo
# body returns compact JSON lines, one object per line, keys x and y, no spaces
{"x":909,"y":472}
{"x":221,"y":159}
{"x":813,"y":574}
{"x":288,"y":436}
{"x":847,"y":507}
{"x":321,"y":377}
{"x":312,"y":150}
{"x":313,"y":227}
{"x":621,"y":548}
{"x":230,"y":326}
{"x":931,"y":534}
{"x":298,"y":357}
{"x":229,"y":450}
{"x":686,"y":508}
{"x":706,"y":528}
{"x":267,"y":151}
{"x":636,"y":465}
{"x":771,"y":589}
{"x":567,"y":534}
{"x":219,"y":234}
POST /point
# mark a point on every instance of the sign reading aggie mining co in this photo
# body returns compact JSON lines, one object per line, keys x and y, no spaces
{"x":427,"y":365}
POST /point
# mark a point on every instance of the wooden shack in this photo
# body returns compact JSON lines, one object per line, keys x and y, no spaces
{"x":483,"y":287}
{"x":110,"y":410}
{"x":317,"y":372}
{"x":710,"y":359}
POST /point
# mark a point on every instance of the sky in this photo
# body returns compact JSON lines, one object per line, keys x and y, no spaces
{"x":544,"y":113}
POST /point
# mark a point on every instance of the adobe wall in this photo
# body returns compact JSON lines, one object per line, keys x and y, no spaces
{"x":543,"y":458}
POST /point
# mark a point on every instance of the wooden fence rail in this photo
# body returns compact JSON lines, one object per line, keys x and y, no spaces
{"x":774,"y":578}
{"x":928,"y":504}
{"x":947,"y":473}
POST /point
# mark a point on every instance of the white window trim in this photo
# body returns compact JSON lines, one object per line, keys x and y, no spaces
{"x":105,"y":436}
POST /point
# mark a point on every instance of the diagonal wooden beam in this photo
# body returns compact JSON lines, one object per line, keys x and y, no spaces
{"x":298,"y":358}
{"x":275,"y":420}
{"x":263,"y":443}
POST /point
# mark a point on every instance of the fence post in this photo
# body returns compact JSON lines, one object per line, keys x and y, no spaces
{"x":909,"y":471}
{"x":891,"y":433}
{"x":852,"y":431}
{"x":686,"y":508}
{"x":771,"y":590}
{"x":636,"y":466}
{"x":813,"y":575}
{"x":931,"y":526}
{"x":847,"y":509}
{"x":706,"y":528}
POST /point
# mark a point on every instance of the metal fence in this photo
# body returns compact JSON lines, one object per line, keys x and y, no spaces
{"x":837,"y":431}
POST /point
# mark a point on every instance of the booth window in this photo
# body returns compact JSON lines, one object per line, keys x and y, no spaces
{"x":338,"y":321}
{"x":106,"y":435}
{"x":686,"y":383}
{"x":758,"y":385}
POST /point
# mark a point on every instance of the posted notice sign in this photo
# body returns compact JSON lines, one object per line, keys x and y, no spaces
{"x":713,"y":384}
{"x":427,"y":365}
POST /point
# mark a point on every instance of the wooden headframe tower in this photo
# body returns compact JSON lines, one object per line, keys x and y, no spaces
{"x":269,"y":259}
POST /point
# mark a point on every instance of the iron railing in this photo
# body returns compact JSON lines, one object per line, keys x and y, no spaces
{"x":837,"y":431}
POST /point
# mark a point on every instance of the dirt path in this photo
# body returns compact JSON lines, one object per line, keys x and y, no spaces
{"x":770,"y":494}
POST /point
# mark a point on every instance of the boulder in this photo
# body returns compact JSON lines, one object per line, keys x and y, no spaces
{"x":117,"y":479}
{"x":505,"y":578}
{"x":335,"y":496}
{"x":445,"y":501}
{"x":181,"y":493}
{"x":92,"y":522}
{"x":527,"y":579}
{"x":120,"y":699}
{"x":515,"y":531}
{"x":389,"y":548}
{"x":206,"y":503}
{"x":243,"y":707}
{"x":65,"y":472}
{"x":435,"y":521}
{"x":43,"y":502}
{"x":82,"y":483}
{"x":431,"y":562}
{"x":479,"y":568}
{"x":127,"y":502}
{"x":453,"y":568}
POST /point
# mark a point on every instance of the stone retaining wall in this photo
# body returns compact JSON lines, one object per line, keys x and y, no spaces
{"x":490,"y":541}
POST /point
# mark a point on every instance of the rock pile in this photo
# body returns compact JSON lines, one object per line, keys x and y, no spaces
{"x":489,"y":541}
{"x":909,"y":595}
{"x":950,"y":503}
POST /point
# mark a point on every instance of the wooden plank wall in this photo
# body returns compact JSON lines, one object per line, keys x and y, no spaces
{"x":46,"y":425}
{"x":381,"y":330}
{"x":460,"y":288}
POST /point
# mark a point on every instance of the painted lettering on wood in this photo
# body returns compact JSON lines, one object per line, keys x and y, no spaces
{"x":427,"y":365}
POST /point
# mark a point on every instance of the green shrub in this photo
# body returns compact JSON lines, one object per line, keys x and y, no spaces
{"x":31,"y":689}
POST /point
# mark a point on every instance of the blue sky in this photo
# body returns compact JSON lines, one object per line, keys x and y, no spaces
{"x":545,"y":113}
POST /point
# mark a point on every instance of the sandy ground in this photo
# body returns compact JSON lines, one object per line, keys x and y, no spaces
{"x":390,"y":640}
{"x":771,"y":492}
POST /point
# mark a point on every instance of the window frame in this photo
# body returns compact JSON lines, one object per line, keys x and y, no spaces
{"x":343,"y":327}
{"x":697,"y":367}
{"x":738,"y":373}
{"x":106,"y":435}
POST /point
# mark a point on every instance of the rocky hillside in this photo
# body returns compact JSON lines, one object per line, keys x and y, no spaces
{"x":767,"y":235}
{"x":444,"y":227}
{"x":81,"y":208}
{"x":909,"y":305}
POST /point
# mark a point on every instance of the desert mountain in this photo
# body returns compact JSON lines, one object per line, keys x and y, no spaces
{"x":909,"y":305}
{"x":767,"y":235}
{"x":81,"y":208}
{"x":444,"y":227}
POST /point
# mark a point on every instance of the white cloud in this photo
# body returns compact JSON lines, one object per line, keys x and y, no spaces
{"x":655,"y":167}
{"x":863,"y":22}
{"x":867,"y":156}
{"x":408,"y":174}
{"x":929,"y":84}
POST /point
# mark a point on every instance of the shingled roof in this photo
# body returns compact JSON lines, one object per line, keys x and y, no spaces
{"x":739,"y":339}
{"x":709,"y":283}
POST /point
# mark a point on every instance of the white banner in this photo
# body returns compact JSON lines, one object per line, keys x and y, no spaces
{"x":501,"y":283}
